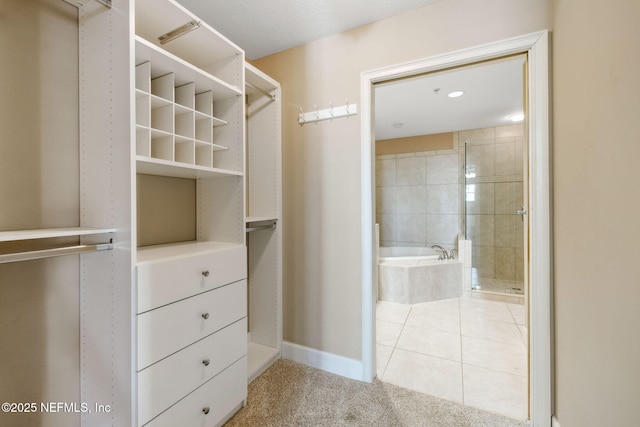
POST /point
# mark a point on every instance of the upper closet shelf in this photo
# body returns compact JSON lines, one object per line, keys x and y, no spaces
{"x":48,"y":233}
{"x":258,"y":79}
{"x":164,"y":63}
{"x":203,"y":46}
{"x":153,"y":166}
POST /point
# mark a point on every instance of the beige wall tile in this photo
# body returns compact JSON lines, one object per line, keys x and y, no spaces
{"x":505,"y":230}
{"x":411,"y":199}
{"x":411,"y":171}
{"x":505,"y":263}
{"x":484,"y":261}
{"x":442,"y":169}
{"x":483,"y":198}
{"x":512,"y":130}
{"x":385,"y":172}
{"x":442,"y":199}
{"x":505,"y":163}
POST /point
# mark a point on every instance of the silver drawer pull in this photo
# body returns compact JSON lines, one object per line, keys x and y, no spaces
{"x":205,"y":316}
{"x":206,"y":410}
{"x":205,"y":273}
{"x":206,"y":362}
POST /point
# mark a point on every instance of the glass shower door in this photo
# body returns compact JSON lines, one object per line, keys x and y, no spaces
{"x":494,"y":185}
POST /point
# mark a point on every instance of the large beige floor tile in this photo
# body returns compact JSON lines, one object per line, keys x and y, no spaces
{"x":497,"y":392}
{"x":434,"y":320}
{"x":387,"y":333}
{"x":432,"y":343}
{"x":426,"y":374}
{"x":484,"y":309}
{"x":493,"y":330}
{"x":498,"y":356}
{"x":383,"y":354}
{"x":392,"y":312}
{"x":451,"y":306}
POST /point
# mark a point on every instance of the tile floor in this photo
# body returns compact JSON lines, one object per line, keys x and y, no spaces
{"x":470,"y":351}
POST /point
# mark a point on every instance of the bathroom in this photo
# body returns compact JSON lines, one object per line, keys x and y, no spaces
{"x":454,"y":177}
{"x":458,"y":314}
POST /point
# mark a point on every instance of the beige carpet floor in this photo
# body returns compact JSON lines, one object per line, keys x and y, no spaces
{"x":291,"y":394}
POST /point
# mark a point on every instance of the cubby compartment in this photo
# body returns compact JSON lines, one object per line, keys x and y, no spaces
{"x":143,"y":141}
{"x":162,"y":146}
{"x":143,"y":109}
{"x":164,"y":87}
{"x":185,"y":122}
{"x":204,"y":154}
{"x":143,"y":77}
{"x":185,"y":95}
{"x":162,"y":116}
{"x":204,"y":127}
{"x":185,"y":152}
{"x":204,"y":103}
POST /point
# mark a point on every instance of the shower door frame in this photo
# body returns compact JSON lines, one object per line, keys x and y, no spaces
{"x":536,"y":46}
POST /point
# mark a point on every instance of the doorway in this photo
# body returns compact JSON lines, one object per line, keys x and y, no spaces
{"x":539,"y":335}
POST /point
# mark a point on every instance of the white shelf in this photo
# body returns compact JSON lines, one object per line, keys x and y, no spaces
{"x":155,"y":18}
{"x":48,"y":233}
{"x":161,"y":253}
{"x":153,"y":166}
{"x":250,"y":219}
{"x":164,"y":62}
{"x":259,"y":358}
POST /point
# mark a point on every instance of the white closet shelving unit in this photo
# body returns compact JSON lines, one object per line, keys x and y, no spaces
{"x":163,"y":328}
{"x":191,"y":312}
{"x":263,"y":220}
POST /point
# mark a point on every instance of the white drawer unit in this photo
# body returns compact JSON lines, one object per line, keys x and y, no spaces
{"x":169,"y":273}
{"x":165,"y":330}
{"x":166,"y":382}
{"x":211,"y":403}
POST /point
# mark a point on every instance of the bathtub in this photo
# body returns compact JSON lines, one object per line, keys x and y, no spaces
{"x":409,"y":275}
{"x":404,"y":254}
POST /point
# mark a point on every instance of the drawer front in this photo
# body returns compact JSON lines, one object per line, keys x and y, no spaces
{"x":167,"y":329}
{"x":210,"y":404}
{"x":166,"y":382}
{"x":162,"y":283}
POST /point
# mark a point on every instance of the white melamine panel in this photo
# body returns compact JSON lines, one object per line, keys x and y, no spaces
{"x":164,"y":86}
{"x":212,"y":403}
{"x":143,"y":77}
{"x":151,"y":166}
{"x":143,"y":109}
{"x":165,"y":330}
{"x":185,"y":95}
{"x":204,"y":154}
{"x":175,"y":272}
{"x":188,"y":369}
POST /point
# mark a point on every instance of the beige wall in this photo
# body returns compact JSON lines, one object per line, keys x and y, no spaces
{"x":321,"y":162}
{"x":415,"y":144}
{"x":39,"y":188}
{"x":596,"y":150}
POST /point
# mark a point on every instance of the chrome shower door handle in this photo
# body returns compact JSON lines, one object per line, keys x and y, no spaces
{"x":522,"y":212}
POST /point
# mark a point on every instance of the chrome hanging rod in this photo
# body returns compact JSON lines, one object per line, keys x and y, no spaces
{"x":105,"y":3}
{"x":180,"y":31}
{"x":261,"y":225}
{"x":262,"y":91}
{"x":46,"y":253}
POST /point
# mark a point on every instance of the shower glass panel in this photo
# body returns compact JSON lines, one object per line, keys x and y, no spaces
{"x":493,"y":189}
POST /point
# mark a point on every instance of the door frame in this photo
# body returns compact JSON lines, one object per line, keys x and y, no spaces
{"x":536,"y":46}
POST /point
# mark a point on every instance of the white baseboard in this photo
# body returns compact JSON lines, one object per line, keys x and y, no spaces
{"x":555,"y":422}
{"x":329,"y":362}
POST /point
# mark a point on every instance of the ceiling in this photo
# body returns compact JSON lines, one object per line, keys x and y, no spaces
{"x":264,"y":27}
{"x":414,"y":106}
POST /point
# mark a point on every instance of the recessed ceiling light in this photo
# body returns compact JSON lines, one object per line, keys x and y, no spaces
{"x":455,"y":94}
{"x":518,"y":117}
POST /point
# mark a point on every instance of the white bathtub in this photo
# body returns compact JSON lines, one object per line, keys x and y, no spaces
{"x":402,"y":254}
{"x":408,"y":275}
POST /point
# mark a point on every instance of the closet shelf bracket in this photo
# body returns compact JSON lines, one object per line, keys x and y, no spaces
{"x":46,"y":253}
{"x":261,"y":225}
{"x":262,"y":91}
{"x":105,"y":3}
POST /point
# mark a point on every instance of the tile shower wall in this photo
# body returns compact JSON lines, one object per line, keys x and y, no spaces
{"x":418,"y":198}
{"x":493,"y":194}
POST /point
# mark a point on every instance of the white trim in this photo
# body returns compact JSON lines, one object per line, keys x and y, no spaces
{"x":536,"y":45}
{"x":555,"y":422}
{"x":329,"y":362}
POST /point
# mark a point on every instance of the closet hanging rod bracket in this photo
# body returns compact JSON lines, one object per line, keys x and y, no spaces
{"x":261,"y":225}
{"x":105,"y":3}
{"x":262,"y":91}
